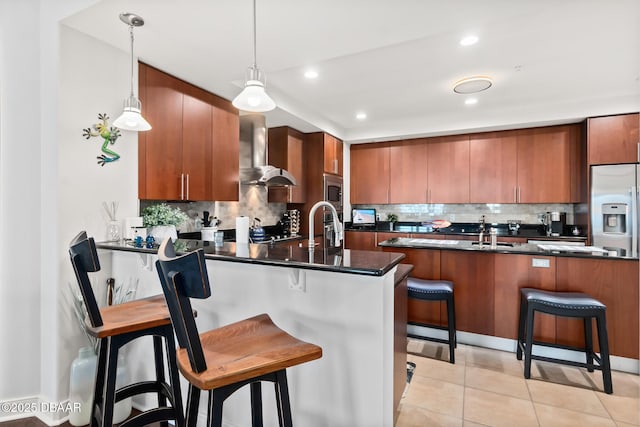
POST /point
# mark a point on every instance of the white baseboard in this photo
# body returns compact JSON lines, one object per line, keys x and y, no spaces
{"x":618,"y":363}
{"x":50,"y":413}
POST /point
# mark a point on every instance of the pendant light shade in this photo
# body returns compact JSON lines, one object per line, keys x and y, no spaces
{"x":253,"y":97}
{"x":131,"y":118}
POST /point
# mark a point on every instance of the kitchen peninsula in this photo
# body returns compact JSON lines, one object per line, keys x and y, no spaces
{"x":487,"y":281}
{"x":351,"y":303}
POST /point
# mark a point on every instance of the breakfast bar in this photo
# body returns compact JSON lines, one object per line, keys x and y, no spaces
{"x":342,"y":300}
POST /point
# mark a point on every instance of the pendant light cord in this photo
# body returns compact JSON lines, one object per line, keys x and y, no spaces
{"x":255,"y":62}
{"x":131,"y":33}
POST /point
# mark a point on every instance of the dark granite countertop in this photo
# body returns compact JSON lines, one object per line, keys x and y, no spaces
{"x":337,"y":260}
{"x":527,"y":231}
{"x":553,"y":249}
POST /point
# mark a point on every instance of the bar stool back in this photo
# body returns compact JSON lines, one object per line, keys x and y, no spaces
{"x":223,"y":360}
{"x":116,"y":326}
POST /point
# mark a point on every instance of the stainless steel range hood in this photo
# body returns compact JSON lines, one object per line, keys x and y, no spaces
{"x":253,"y":155}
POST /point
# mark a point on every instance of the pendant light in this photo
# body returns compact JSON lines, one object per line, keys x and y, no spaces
{"x":131,"y":119}
{"x":253,"y":97}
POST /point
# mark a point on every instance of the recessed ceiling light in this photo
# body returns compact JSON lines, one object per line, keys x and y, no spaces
{"x":471,"y":101}
{"x":468,"y":40}
{"x":361,"y":116}
{"x":311,"y":74}
{"x":472,"y":84}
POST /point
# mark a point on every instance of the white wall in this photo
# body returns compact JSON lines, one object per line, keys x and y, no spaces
{"x":53,"y":83}
{"x":94,"y":78}
{"x":20,"y":192}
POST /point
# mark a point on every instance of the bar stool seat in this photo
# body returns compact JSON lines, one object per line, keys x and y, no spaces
{"x":566,"y":304}
{"x":436,"y":290}
{"x":116,"y":326}
{"x":225,"y":359}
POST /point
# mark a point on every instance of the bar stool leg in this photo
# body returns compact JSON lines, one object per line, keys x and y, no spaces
{"x":453,"y":321}
{"x":159,"y":361}
{"x":588,"y":343}
{"x":172,"y":364}
{"x":603,"y":340}
{"x":110,"y":383}
{"x":215,"y":409}
{"x":282,"y":398}
{"x":98,"y":393}
{"x":193,"y":401}
{"x":521,"y":327}
{"x":451,"y":327}
{"x":529,"y":342}
{"x":256,"y":404}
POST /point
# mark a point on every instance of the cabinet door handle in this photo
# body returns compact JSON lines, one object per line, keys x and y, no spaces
{"x":335,"y":166}
{"x":187,"y":186}
{"x":519,"y":196}
{"x":638,"y":149}
{"x":515,"y":194}
{"x":181,"y":186}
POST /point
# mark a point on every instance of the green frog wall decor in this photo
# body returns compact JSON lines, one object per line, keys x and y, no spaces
{"x":109,"y":136}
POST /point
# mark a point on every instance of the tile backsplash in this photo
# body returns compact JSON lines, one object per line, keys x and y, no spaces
{"x":253,"y":203}
{"x":498,"y":213}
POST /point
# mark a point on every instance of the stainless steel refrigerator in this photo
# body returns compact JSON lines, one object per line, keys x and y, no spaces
{"x":614,"y":207}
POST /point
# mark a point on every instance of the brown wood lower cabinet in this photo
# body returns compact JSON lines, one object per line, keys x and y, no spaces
{"x":360,"y":240}
{"x":472,"y":274}
{"x":615,"y":284}
{"x":513,"y":272}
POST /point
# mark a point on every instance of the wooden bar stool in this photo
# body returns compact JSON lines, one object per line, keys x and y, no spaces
{"x":225,"y":359}
{"x":567,"y":304}
{"x":436,"y":290}
{"x":116,"y":326}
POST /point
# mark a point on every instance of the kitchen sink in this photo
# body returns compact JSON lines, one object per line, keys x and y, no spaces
{"x":489,"y":244}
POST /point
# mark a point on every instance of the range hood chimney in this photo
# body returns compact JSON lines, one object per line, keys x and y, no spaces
{"x":254,"y":169}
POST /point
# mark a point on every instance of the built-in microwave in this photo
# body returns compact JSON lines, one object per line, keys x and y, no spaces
{"x":333,"y":191}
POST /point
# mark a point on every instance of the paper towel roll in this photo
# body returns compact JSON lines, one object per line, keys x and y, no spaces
{"x":242,"y":229}
{"x":242,"y":250}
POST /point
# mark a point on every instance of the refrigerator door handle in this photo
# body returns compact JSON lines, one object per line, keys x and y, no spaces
{"x":634,"y":221}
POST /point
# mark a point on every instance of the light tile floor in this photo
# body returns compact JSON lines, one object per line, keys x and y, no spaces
{"x":487,"y":388}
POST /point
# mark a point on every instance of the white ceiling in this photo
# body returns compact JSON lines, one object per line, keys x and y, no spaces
{"x":551,"y":61}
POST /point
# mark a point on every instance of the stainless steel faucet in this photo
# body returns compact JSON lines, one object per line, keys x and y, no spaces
{"x":337,"y":227}
{"x":482,"y":229}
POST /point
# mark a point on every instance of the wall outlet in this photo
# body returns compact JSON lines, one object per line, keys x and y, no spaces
{"x":540,"y":262}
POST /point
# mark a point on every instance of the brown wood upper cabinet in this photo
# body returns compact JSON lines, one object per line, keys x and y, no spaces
{"x":408,"y":178}
{"x":448,"y":169}
{"x":429,"y":170}
{"x":544,"y":161}
{"x":370,"y":173}
{"x":424,"y":170}
{"x":613,"y":139}
{"x":493,"y":174}
{"x":526,"y":166}
{"x":332,"y":155}
{"x":191,"y":153}
{"x":286,"y":151}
